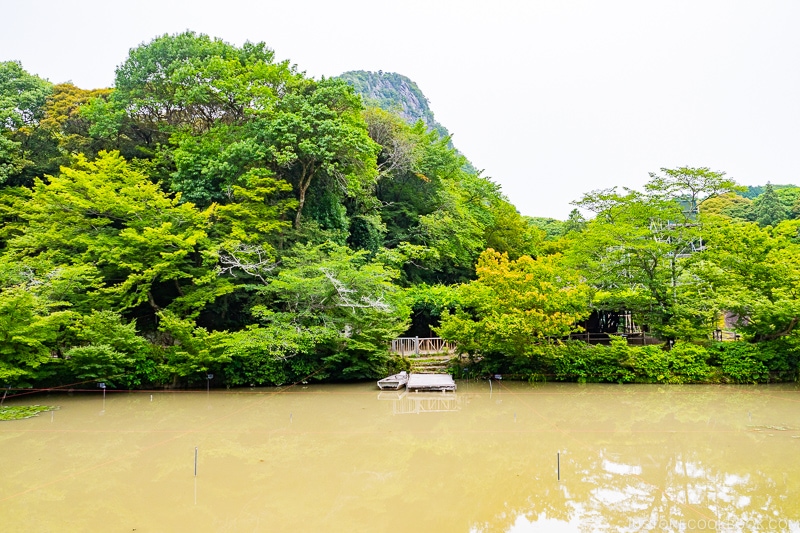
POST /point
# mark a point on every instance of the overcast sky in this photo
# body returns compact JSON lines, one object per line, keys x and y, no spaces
{"x":551,"y":98}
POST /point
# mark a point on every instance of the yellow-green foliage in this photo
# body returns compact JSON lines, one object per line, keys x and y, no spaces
{"x":515,"y":304}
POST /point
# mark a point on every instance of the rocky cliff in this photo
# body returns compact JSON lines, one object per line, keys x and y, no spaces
{"x":394,"y":92}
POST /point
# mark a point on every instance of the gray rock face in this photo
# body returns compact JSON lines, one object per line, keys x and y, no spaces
{"x":394,"y":92}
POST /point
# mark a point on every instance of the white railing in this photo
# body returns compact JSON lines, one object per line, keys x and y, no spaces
{"x":422,"y":346}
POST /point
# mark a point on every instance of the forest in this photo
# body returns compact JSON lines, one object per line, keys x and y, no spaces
{"x":220,"y":212}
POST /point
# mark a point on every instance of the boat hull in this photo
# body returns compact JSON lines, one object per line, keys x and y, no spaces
{"x":395,"y":382}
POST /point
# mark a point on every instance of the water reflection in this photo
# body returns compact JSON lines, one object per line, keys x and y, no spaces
{"x":404,"y":402}
{"x":338,"y":458}
{"x":664,"y":469}
{"x":693,"y":497}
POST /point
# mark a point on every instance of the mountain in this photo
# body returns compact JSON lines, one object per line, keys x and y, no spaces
{"x":397,"y":93}
{"x":394,"y":92}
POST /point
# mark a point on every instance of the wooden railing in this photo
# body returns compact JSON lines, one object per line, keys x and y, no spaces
{"x":421,"y":346}
{"x":605,"y":338}
{"x":725,"y":335}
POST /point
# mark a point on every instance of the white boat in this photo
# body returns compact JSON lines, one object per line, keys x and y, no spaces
{"x":394,"y":382}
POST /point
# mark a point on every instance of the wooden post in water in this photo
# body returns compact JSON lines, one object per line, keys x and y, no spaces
{"x":558,"y":465}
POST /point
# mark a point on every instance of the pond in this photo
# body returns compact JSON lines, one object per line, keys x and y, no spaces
{"x":494,"y":456}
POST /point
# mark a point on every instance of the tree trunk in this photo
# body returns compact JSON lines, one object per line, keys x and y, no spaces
{"x":303,"y":184}
{"x":152,"y":302}
{"x":300,"y":203}
{"x":783,"y":333}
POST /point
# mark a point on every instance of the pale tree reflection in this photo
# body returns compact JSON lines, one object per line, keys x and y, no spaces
{"x":687,"y":496}
{"x":680,"y":463}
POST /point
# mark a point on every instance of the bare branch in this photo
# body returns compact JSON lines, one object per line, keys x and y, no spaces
{"x":251,"y":259}
{"x":344,"y":293}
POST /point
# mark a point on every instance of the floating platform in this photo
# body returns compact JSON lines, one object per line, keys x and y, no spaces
{"x":394,"y":382}
{"x":431,"y":382}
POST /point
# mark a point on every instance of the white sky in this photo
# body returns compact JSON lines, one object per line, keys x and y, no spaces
{"x":553,"y":98}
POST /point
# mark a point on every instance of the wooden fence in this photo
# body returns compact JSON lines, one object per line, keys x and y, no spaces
{"x":434,"y":345}
{"x":726,"y":335}
{"x":634,"y":339}
{"x":422,"y":346}
{"x":641,"y":339}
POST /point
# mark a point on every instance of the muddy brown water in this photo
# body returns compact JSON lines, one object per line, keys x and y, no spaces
{"x":351,"y":458}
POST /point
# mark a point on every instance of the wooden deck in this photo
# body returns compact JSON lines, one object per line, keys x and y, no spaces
{"x":430,"y":382}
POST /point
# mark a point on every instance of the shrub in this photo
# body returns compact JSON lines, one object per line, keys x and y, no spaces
{"x":689,"y":363}
{"x":781,"y":357}
{"x":650,"y":364}
{"x":593,"y":363}
{"x":740,"y":362}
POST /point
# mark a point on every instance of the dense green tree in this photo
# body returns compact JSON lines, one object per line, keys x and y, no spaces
{"x":186,"y":350}
{"x":641,"y":249}
{"x":104,"y":347}
{"x":638,"y":251}
{"x":185,"y":102}
{"x":692,"y":186}
{"x":771,"y":206}
{"x":400,"y":145}
{"x":342,"y":298}
{"x":428,"y":304}
{"x":514,"y":305}
{"x":65,"y":121}
{"x":552,"y":228}
{"x":192,"y":81}
{"x":429,"y":197}
{"x":25,"y":148}
{"x":209,"y":165}
{"x":255,"y":211}
{"x":575,"y":222}
{"x":208,"y":113}
{"x":752,"y":192}
{"x":275,"y":352}
{"x":768,"y":209}
{"x":318,"y":134}
{"x":731,"y":205}
{"x":411,"y":163}
{"x":141,"y":246}
{"x":38,"y":319}
{"x":30,"y":328}
{"x":510,"y":233}
{"x":756,"y":276}
{"x":789,"y":198}
{"x":457,"y":228}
